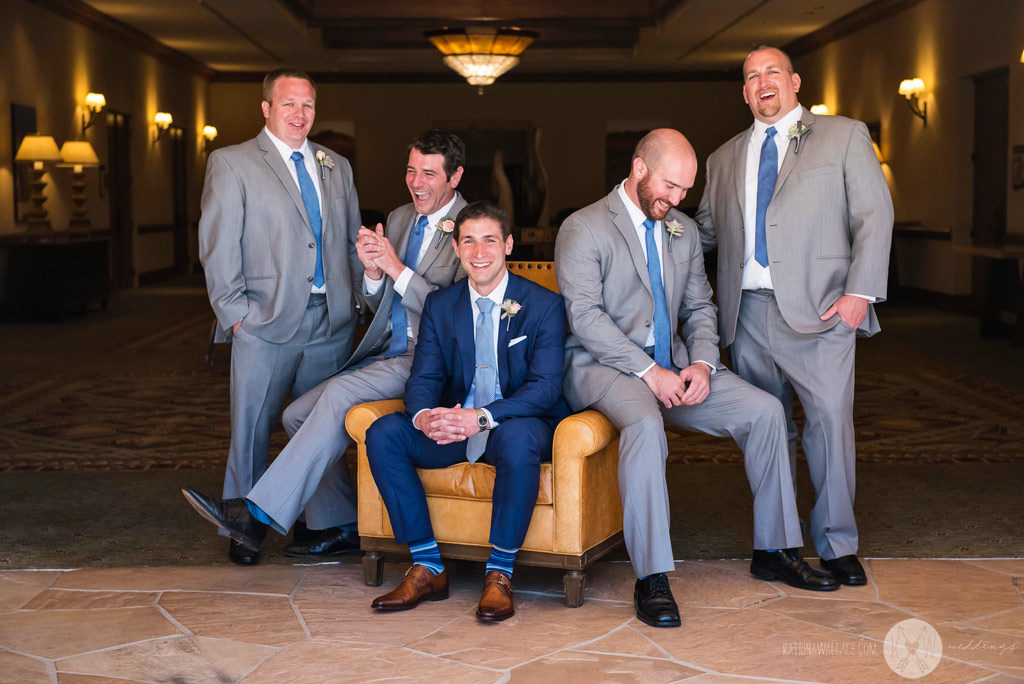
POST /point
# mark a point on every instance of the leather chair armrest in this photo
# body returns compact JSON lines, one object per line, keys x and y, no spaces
{"x":585,"y":494}
{"x":361,"y":416}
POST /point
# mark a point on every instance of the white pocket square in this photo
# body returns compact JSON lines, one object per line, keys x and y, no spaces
{"x":516,"y":341}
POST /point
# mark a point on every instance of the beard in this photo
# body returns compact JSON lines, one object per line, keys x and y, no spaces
{"x":647,"y":199}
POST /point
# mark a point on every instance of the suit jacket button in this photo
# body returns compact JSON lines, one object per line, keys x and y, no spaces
{"x":312,"y":245}
{"x":309,"y":279}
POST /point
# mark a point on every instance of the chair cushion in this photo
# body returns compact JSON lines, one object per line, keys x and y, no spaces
{"x":474,"y":481}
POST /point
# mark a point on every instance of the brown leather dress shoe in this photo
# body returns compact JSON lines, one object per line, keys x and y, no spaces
{"x":496,"y":599}
{"x":419,"y":584}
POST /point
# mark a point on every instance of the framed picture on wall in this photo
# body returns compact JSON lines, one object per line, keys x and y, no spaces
{"x":23,"y":122}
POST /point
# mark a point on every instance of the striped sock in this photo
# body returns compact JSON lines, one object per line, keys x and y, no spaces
{"x":426,"y":553}
{"x":257,"y":512}
{"x":502,"y":560}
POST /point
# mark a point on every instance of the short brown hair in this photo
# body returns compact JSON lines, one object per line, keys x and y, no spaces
{"x":270,"y":79}
{"x":479,"y":210}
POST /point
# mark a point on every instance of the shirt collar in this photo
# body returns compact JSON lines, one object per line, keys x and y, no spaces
{"x":285,"y":151}
{"x":497,"y":294}
{"x":782,"y":126}
{"x":636,"y":215}
{"x":435,"y":218}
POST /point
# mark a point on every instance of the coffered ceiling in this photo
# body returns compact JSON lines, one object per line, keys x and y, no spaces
{"x":383,"y":39}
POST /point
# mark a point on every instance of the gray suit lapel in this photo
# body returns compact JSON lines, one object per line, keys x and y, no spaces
{"x":807,"y":119}
{"x":668,"y":267}
{"x":273,"y":158}
{"x":621,"y":221}
{"x":739,"y":165}
{"x":325,"y":191}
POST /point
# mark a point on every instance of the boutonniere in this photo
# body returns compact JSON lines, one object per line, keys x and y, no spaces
{"x":325,"y":162}
{"x":797,"y":132}
{"x":444,"y":228}
{"x":509,"y":308}
{"x":674,"y":228}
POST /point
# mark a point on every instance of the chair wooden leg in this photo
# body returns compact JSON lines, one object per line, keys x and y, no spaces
{"x":574,"y":581}
{"x":373,"y":568}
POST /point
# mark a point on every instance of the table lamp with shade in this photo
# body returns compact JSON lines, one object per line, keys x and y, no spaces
{"x":78,"y":154}
{"x":38,"y":150}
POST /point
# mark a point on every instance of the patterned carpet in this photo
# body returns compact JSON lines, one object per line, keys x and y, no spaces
{"x":147,"y":402}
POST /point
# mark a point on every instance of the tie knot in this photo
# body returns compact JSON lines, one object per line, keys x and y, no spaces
{"x":297,"y":156}
{"x":485,"y":305}
{"x":649,"y":224}
{"x":421,"y":222}
{"x":770,"y":133}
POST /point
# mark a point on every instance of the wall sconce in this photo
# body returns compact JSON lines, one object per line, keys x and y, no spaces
{"x":94,"y":104}
{"x":162,"y":121}
{"x":911,"y":88}
{"x":209,"y":135}
{"x":38,"y":149}
{"x":819,"y":109}
{"x":78,"y":154}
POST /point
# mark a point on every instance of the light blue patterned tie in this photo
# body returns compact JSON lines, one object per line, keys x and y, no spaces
{"x":486,"y":375}
{"x":312,"y":202}
{"x":662,"y":334}
{"x":767,"y":173}
{"x":399,"y":321}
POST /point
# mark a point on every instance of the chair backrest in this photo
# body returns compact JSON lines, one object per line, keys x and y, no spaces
{"x":540,"y":272}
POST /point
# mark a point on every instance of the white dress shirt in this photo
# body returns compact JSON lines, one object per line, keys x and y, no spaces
{"x":311,"y":168}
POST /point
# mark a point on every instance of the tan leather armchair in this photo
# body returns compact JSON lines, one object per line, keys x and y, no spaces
{"x":577,"y":517}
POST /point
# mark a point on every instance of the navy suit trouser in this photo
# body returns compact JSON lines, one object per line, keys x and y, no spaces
{"x":516,"y":447}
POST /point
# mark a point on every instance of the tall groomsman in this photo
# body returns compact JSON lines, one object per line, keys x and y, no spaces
{"x":802,"y":217}
{"x":277,"y":241}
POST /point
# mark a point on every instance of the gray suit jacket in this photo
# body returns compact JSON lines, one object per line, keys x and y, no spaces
{"x":439,"y":267}
{"x":602,"y":274}
{"x":256,"y":243}
{"x":828,"y":226}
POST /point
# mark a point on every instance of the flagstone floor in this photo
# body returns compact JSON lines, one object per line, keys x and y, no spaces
{"x":285,"y":624}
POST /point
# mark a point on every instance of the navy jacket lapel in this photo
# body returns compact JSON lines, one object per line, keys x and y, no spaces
{"x":464,"y":321}
{"x":513,"y":291}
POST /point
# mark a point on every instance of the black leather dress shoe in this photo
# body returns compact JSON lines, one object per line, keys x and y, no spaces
{"x":653,"y":601}
{"x":846,"y":569}
{"x":326,"y":543}
{"x":239,"y":555}
{"x":790,"y":567}
{"x":231,"y":515}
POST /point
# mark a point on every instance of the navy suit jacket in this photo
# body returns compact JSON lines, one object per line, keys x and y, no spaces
{"x":529,"y":371}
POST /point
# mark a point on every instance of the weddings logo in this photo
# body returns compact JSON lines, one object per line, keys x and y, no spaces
{"x":912,"y":648}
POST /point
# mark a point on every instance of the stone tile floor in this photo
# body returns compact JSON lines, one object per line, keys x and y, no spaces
{"x":284,"y":624}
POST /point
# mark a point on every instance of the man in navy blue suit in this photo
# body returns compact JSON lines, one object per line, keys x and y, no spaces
{"x":486,"y":384}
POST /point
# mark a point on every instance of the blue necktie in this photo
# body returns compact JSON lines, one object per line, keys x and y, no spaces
{"x":486,"y":375}
{"x":767,"y":173}
{"x":662,"y":334}
{"x":312,"y":203}
{"x":399,"y":321}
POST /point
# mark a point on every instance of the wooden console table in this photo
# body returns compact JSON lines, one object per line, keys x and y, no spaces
{"x":48,"y":279}
{"x":990,"y":318}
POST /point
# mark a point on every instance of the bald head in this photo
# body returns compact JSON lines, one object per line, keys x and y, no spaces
{"x":663,"y":170}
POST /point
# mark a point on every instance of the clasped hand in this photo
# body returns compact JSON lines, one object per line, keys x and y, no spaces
{"x":447,"y":425}
{"x":689,"y":387}
{"x":377,"y":254}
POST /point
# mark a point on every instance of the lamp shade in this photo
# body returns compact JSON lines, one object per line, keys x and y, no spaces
{"x":911,"y":86}
{"x":481,"y":55}
{"x":38,"y":148}
{"x":78,"y":153}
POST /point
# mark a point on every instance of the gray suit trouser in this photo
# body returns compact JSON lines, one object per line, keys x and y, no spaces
{"x":262,"y":373}
{"x":733,"y":408}
{"x":310,"y":474}
{"x":818,"y":368}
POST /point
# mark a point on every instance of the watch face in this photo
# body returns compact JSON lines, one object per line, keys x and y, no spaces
{"x":481,"y":420}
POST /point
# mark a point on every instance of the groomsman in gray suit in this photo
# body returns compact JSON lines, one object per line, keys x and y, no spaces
{"x":310,"y":475}
{"x":643,"y":351}
{"x":802,"y":217}
{"x":277,"y":241}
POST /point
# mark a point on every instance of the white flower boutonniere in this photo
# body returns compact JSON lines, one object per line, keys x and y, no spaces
{"x":509,"y":308}
{"x":674,"y":228}
{"x":325,"y":162}
{"x":446,"y":225}
{"x":796,"y":133}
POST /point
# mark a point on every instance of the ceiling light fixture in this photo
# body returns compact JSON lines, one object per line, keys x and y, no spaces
{"x":481,"y":54}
